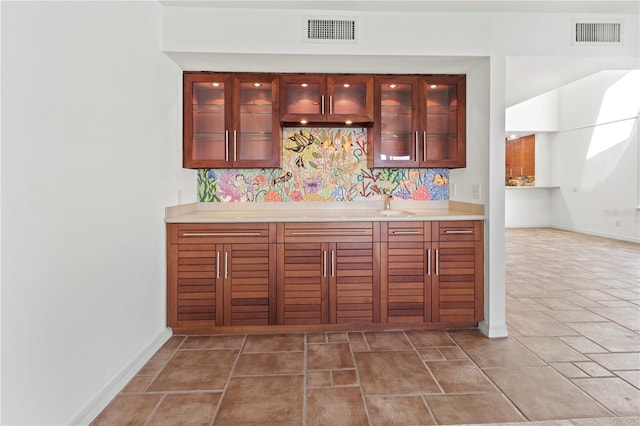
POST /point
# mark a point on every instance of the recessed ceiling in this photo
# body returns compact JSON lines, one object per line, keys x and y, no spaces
{"x":546,"y":6}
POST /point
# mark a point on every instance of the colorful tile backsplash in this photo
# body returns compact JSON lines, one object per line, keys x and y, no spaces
{"x":321,"y":164}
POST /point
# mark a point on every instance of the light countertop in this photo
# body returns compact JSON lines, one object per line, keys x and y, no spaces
{"x":402,"y":210}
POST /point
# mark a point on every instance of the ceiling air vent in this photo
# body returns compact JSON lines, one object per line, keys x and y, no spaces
{"x":331,"y":30}
{"x":597,"y":33}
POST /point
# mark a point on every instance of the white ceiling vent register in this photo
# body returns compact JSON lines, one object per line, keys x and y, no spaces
{"x":341,"y":29}
{"x":597,"y":33}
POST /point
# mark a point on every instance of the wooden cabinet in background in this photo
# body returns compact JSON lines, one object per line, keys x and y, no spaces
{"x":220,"y":274}
{"x":520,"y":155}
{"x":327,"y":273}
{"x":457,"y":291}
{"x":326,"y":99}
{"x":420,"y":121}
{"x":231,"y":120}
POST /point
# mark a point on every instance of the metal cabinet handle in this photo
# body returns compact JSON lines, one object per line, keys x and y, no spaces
{"x":322,"y":104}
{"x":333,"y":263}
{"x":226,"y":261}
{"x":235,"y":145}
{"x":221,"y":234}
{"x":226,"y":145}
{"x":458,"y":231}
{"x":217,"y":264}
{"x":429,"y":262}
{"x":424,"y":146}
{"x":406,"y":232}
{"x":415,"y":154}
{"x":330,"y":105}
{"x":353,"y":232}
{"x":324,"y":263}
{"x":437,"y":261}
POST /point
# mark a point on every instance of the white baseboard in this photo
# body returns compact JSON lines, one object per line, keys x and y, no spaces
{"x":491,"y":330}
{"x":597,"y":234}
{"x":120,"y":381}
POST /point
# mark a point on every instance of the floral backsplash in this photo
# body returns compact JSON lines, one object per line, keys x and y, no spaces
{"x":321,"y":164}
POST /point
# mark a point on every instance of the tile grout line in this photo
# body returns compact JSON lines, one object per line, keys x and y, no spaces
{"x":226,"y":384}
{"x":358,"y":381}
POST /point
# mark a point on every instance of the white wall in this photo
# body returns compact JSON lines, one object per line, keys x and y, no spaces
{"x":89,"y":127}
{"x":598,"y":189}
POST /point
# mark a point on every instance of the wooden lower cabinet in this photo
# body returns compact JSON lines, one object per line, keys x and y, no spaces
{"x":326,"y":273}
{"x":457,"y":283}
{"x":256,"y":274}
{"x":220,"y":274}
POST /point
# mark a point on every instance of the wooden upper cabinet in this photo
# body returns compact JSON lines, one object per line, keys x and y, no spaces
{"x":231,"y":120}
{"x":420,"y":121}
{"x":326,"y":99}
{"x":520,"y":155}
{"x":396,"y":122}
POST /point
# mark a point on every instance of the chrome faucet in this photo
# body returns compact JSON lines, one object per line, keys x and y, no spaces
{"x":386,"y":201}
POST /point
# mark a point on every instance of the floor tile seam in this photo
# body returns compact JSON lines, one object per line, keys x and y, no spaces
{"x":424,"y":363}
{"x":154,"y":410}
{"x":178,"y":392}
{"x":240,"y":376}
{"x":429,"y":410}
{"x":358,"y":380}
{"x":305,"y":378}
{"x":609,"y":321}
{"x":334,"y":386}
{"x":271,"y":352}
{"x":601,"y":405}
{"x":226,"y":384}
{"x":166,"y":362}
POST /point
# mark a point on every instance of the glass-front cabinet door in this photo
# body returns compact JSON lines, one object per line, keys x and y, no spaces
{"x":395,"y":142}
{"x":230,"y":120}
{"x":206,"y":121}
{"x":444,"y":124}
{"x":256,"y":134}
{"x":319,"y":98}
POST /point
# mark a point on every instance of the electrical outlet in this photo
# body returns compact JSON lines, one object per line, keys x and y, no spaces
{"x":477,"y":192}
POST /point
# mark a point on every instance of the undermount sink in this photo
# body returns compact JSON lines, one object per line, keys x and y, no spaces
{"x":394,"y":213}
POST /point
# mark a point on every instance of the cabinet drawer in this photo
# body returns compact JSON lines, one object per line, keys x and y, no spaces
{"x":326,"y":232}
{"x":222,"y":233}
{"x":407,"y":231}
{"x":467,"y":230}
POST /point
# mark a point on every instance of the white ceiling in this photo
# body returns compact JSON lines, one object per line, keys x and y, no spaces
{"x":551,"y":6}
{"x":527,"y":77}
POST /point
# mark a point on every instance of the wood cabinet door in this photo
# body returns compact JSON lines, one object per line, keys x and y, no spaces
{"x":327,"y":273}
{"x":528,"y":155}
{"x":220,"y":274}
{"x":249,"y":274}
{"x":395,"y":140}
{"x":207,"y":119}
{"x":256,"y":136}
{"x":350,"y":99}
{"x":231,"y":120}
{"x":457,"y":283}
{"x":303,"y":98}
{"x":443,"y":122}
{"x":352,"y":283}
{"x":406,"y":270}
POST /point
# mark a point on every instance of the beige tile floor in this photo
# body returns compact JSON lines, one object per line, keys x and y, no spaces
{"x":572,"y":357}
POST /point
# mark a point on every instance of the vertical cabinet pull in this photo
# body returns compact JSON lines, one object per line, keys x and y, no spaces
{"x":322,"y":104}
{"x":330,"y":105}
{"x":226,"y":262}
{"x":428,"y":261}
{"x":424,"y":146}
{"x":226,"y":145}
{"x":217,"y":264}
{"x":333,"y":263}
{"x":324,"y":263}
{"x":437,"y":261}
{"x":415,"y":154}
{"x":235,"y":150}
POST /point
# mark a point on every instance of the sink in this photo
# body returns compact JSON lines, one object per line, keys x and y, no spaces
{"x":394,"y":213}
